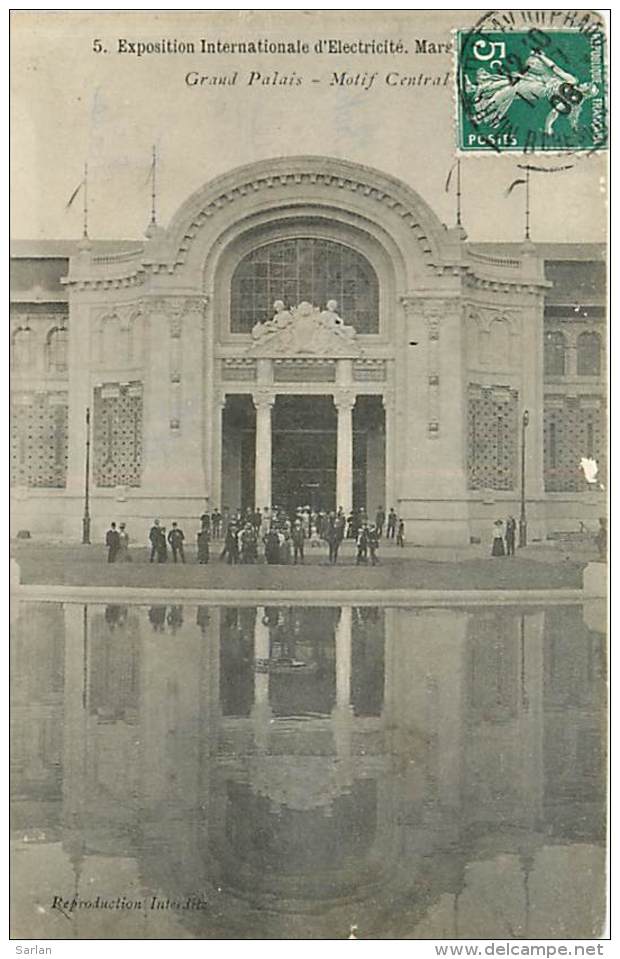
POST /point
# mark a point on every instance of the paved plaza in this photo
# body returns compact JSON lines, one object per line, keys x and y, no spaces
{"x":536,"y":567}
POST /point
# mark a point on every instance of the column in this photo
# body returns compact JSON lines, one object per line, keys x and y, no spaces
{"x":390,"y":480}
{"x":263,"y":403}
{"x":342,"y":714}
{"x":343,"y":657}
{"x":261,"y":713}
{"x":344,"y":402}
{"x":214,"y":481}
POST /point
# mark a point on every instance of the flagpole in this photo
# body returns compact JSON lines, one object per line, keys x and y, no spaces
{"x":85,"y":232}
{"x":153,"y":189}
{"x":458,"y":193}
{"x":527,"y":203}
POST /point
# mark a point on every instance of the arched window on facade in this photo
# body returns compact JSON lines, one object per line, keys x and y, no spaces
{"x":310,"y":269}
{"x":555,"y":354}
{"x":22,"y":352}
{"x":588,"y":354}
{"x":56,"y":350}
{"x":109,"y":332}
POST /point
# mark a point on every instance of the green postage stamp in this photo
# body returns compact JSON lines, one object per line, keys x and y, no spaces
{"x":531,"y":91}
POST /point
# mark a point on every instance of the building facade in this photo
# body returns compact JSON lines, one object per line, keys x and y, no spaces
{"x":306,"y":331}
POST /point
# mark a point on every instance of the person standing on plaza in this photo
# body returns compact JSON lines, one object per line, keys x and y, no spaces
{"x":231,"y":545}
{"x":362,"y":546}
{"x":162,"y":546}
{"x":123,"y":547}
{"x":175,"y":538}
{"x":511,"y":535}
{"x":391,"y":523}
{"x":285,"y":544}
{"x":154,"y":539}
{"x":202,"y":540}
{"x":372,"y":540}
{"x":112,"y":541}
{"x":272,"y":547}
{"x":298,"y":535}
{"x":498,"y":539}
{"x":216,"y":523}
{"x":400,"y":535}
{"x":249,"y":544}
{"x":205,"y":519}
{"x":380,"y":521}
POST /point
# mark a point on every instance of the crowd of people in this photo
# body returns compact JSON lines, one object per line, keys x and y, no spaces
{"x":281,"y":537}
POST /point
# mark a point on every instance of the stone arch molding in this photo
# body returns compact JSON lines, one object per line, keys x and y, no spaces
{"x":324,"y":184}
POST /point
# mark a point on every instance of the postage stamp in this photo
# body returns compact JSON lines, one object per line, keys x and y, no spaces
{"x":531,"y":91}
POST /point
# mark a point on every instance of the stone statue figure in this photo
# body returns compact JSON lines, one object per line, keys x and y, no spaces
{"x":303,"y":329}
{"x":333,"y":322}
{"x":281,"y":319}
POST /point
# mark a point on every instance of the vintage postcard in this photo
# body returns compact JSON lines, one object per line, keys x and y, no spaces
{"x":309,"y":476}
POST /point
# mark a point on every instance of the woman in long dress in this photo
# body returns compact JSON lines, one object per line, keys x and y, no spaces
{"x":123,"y":548}
{"x":498,"y":539}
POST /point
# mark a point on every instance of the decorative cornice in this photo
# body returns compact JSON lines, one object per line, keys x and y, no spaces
{"x":307,"y":173}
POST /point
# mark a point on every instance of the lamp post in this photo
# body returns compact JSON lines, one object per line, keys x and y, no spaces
{"x":522,"y":518}
{"x":86,"y":517}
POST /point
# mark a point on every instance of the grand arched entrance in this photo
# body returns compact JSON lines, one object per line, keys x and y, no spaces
{"x":304,"y":452}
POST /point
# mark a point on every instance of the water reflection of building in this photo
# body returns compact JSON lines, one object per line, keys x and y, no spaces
{"x":391,"y":766}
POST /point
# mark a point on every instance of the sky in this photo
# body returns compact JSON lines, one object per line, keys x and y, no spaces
{"x":70,"y":104}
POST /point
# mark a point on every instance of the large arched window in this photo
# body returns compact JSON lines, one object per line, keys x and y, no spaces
{"x":555,"y":354}
{"x":300,"y":269}
{"x":588,"y":354}
{"x":57,"y":345}
{"x":22,"y":354}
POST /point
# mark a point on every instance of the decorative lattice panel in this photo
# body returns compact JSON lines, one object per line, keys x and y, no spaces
{"x":492,"y":437}
{"x":39,"y":447}
{"x":574,"y":428}
{"x":117,"y":435}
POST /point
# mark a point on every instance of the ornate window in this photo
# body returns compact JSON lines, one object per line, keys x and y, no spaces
{"x":588,"y":354}
{"x":492,"y":437}
{"x":56,"y":349}
{"x":22,"y":353}
{"x":39,"y":448}
{"x":300,"y":269}
{"x":117,"y":435}
{"x":555,"y":354}
{"x":573,"y":428}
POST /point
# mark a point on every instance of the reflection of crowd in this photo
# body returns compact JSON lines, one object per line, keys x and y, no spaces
{"x":280,"y":536}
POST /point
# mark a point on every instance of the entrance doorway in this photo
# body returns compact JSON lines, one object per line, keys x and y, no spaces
{"x":304,"y":447}
{"x":304,"y":452}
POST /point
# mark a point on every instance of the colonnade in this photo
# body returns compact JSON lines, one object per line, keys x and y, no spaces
{"x":344,"y":402}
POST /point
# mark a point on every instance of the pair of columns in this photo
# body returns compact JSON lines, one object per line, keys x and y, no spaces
{"x":344,"y":402}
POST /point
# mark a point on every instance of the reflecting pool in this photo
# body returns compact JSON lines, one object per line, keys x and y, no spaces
{"x":292,"y":772}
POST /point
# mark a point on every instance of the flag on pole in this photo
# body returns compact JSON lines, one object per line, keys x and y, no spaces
{"x":449,"y":178}
{"x":513,"y":185}
{"x":151,"y":172}
{"x":74,"y":194}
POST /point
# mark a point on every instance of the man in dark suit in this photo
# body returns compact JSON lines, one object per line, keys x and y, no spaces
{"x":391,"y":523}
{"x":511,"y":533}
{"x":379,"y":521}
{"x":113,"y":542}
{"x":154,"y":535}
{"x":175,"y":538}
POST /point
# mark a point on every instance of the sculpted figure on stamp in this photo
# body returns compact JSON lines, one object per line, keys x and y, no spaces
{"x":531,"y":90}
